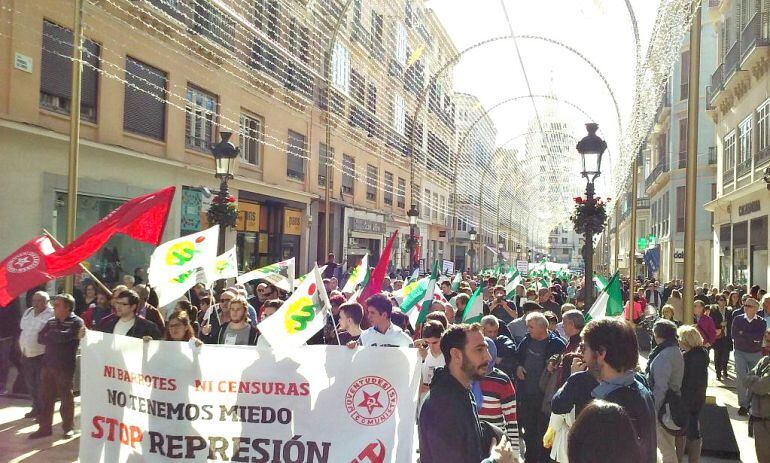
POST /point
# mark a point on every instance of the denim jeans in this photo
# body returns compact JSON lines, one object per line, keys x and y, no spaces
{"x":6,"y":344}
{"x":31,"y":367}
{"x":744,"y":362}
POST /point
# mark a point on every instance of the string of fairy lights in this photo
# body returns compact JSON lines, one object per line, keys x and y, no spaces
{"x":386,"y":57}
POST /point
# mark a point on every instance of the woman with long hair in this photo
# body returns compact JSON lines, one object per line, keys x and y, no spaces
{"x":734,"y":301}
{"x":179,"y":328}
{"x":183,"y":305}
{"x":675,"y":301}
{"x":694,"y":383}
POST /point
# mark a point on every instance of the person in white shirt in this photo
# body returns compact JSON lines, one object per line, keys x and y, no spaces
{"x":33,"y":320}
{"x":432,"y":358}
{"x":382,"y":333}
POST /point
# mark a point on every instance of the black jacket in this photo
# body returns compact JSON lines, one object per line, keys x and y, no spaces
{"x":142,"y":327}
{"x":695,"y":379}
{"x":449,"y":429}
{"x":725,"y":341}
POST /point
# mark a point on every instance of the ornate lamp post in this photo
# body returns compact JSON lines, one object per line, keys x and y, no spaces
{"x":223,"y":210}
{"x":412,"y":213}
{"x":590,"y":215}
{"x":472,"y":252}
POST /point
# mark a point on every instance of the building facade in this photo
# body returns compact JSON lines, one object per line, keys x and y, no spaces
{"x":739,"y":106}
{"x":665,"y":159}
{"x":162,"y":79}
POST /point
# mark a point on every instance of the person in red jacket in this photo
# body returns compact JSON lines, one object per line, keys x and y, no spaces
{"x":704,"y":323}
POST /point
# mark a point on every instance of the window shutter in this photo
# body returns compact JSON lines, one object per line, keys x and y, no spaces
{"x":144,"y":107}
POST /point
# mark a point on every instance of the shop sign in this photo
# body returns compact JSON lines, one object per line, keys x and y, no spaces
{"x":748,"y":208}
{"x":248,"y":217}
{"x":292,"y":222}
{"x":366,"y":226}
{"x":678,"y":255}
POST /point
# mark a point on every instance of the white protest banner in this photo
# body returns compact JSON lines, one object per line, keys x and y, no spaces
{"x":162,"y":400}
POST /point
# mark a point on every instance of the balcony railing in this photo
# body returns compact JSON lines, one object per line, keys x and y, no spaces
{"x":682,"y":161}
{"x":712,"y":156}
{"x":762,"y":157}
{"x":659,"y":169}
{"x":728,"y":176}
{"x":752,"y":35}
{"x":717,"y":80}
{"x":642,"y":203}
{"x":732,"y":59}
{"x":743,"y":168}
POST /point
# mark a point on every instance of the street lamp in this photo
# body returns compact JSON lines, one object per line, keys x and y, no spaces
{"x":472,"y":237}
{"x":224,"y":158}
{"x":591,"y":149}
{"x":412,"y":213}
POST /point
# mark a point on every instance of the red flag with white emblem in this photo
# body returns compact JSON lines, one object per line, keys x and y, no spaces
{"x":142,"y":219}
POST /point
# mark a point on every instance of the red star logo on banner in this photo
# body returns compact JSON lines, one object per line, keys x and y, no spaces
{"x":371,"y":402}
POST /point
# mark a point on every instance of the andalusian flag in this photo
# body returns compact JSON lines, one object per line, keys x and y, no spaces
{"x":600,"y":281}
{"x":415,"y":275}
{"x":610,"y":301}
{"x":511,"y":283}
{"x":359,"y":275}
{"x":419,"y":311}
{"x":456,"y":281}
{"x":411,"y":294}
{"x":284,"y":268}
{"x":475,"y":308}
{"x":300,"y":317}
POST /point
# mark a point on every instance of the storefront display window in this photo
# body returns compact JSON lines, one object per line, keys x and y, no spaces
{"x":740,"y":253}
{"x":759,"y":251}
{"x":120,"y":255}
{"x":724,"y":256}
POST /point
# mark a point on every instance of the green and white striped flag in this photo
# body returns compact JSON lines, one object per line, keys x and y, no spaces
{"x":456,"y":281}
{"x":610,"y":301}
{"x":359,"y":275}
{"x":418,"y":312}
{"x":511,"y":284}
{"x":600,"y":282}
{"x":475,"y":308}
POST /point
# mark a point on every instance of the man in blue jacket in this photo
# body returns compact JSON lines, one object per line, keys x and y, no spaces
{"x":532,"y":355}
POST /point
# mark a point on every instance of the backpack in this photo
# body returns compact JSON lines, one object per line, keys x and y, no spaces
{"x":673,"y":415}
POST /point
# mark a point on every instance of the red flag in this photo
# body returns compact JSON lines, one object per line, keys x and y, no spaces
{"x":378,"y":274}
{"x":142,"y":218}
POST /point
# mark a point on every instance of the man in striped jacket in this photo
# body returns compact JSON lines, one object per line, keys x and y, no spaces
{"x":499,"y":403}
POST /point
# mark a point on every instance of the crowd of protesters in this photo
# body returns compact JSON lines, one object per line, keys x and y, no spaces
{"x":531,"y":381}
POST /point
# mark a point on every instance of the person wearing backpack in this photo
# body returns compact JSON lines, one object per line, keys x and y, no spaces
{"x":665,"y":369}
{"x":694,"y":384}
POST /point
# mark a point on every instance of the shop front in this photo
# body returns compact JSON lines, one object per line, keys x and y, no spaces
{"x":365,"y":232}
{"x":741,"y":243}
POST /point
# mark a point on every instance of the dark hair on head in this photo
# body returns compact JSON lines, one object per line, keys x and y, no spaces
{"x":530,"y":306}
{"x":432,"y":329}
{"x":274,"y":303}
{"x":354,"y":311}
{"x":380,"y":303}
{"x":439,"y":317}
{"x":186,"y":321}
{"x":498,"y":288}
{"x":492,"y":281}
{"x":399,"y":319}
{"x":603,"y":433}
{"x":205,"y":299}
{"x":455,"y":337}
{"x":462,"y":297}
{"x":617,"y":339}
{"x":187,"y":307}
{"x":130,"y":294}
{"x":447,"y":283}
{"x":551,"y":317}
{"x":665,"y":329}
{"x":337,"y":299}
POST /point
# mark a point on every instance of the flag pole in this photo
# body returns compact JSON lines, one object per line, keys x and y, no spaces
{"x":88,"y":272}
{"x":74,"y":147}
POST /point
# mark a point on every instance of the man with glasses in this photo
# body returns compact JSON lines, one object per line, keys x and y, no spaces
{"x":125,"y":321}
{"x":217,"y":315}
{"x":748,"y":329}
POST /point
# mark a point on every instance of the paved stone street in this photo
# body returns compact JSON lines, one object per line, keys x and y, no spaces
{"x":15,"y":447}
